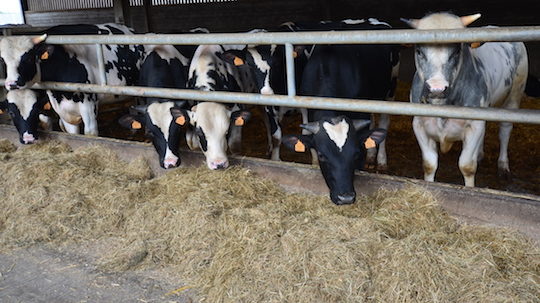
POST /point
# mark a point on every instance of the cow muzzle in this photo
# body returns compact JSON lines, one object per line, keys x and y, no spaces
{"x":437,"y":87}
{"x":171,"y":162}
{"x":28,"y":138}
{"x":11,"y":85}
{"x":219,"y":164}
{"x":344,"y":199}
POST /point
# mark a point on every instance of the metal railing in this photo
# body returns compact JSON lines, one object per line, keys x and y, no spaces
{"x":524,"y":33}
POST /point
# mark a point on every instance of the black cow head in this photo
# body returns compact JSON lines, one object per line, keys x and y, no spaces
{"x":25,"y":107}
{"x":163,"y":122}
{"x":341,"y":148}
{"x":22,"y":55}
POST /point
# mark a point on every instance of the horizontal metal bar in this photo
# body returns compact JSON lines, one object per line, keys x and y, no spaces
{"x":397,"y":36}
{"x":353,"y":105}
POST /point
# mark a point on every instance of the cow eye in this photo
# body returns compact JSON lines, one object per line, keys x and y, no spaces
{"x":322,"y":158}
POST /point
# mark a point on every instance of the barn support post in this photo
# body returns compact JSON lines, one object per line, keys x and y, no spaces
{"x":121,"y":12}
{"x":101,"y":65}
{"x":291,"y":85}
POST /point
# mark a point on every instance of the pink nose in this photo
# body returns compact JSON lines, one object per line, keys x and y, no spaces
{"x":220,"y":164}
{"x":28,"y":139}
{"x":170,"y":162}
{"x":11,"y":85}
{"x":437,"y":85}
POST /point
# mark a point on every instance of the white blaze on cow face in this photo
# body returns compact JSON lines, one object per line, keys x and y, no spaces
{"x":212,"y":121}
{"x":12,"y":50}
{"x":337,"y":132}
{"x":264,"y":68}
{"x":24,"y":99}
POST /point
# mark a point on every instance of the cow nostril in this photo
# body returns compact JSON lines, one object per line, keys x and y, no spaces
{"x":347,"y":198}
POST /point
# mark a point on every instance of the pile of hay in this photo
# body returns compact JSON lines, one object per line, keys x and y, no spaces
{"x":236,"y":237}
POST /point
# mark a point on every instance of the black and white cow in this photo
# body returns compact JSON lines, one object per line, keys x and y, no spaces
{"x":493,"y":74}
{"x":166,"y":67}
{"x":340,"y":139}
{"x":269,"y":67}
{"x":212,"y":130}
{"x":28,"y":115}
{"x":31,"y":59}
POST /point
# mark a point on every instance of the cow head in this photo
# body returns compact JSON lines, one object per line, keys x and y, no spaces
{"x":163,"y":122}
{"x":437,"y":65}
{"x":341,"y":145}
{"x":22,"y":56}
{"x":212,"y":123}
{"x":25,"y":106}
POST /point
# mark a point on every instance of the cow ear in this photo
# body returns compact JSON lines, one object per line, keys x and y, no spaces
{"x":180,"y":116}
{"x":298,"y":143}
{"x":359,"y":124}
{"x":234,"y":57}
{"x":39,"y":39}
{"x":131,"y":121}
{"x":375,"y":137}
{"x":3,"y":106}
{"x":45,"y":51}
{"x":466,"y":20}
{"x":240,"y":117}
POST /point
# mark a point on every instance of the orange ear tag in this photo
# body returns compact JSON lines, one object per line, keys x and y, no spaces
{"x":299,"y":147}
{"x":47,"y":106}
{"x":136,"y":125}
{"x":294,"y":54}
{"x":239,"y":121}
{"x":180,"y":120}
{"x":45,"y":56}
{"x":476,"y":44}
{"x":238,"y":61}
{"x":370,"y":143}
{"x":1,"y":111}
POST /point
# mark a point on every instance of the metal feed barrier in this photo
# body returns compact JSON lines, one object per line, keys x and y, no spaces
{"x":409,"y":36}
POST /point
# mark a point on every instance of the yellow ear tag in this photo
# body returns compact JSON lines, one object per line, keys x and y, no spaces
{"x":476,"y":44}
{"x":294,"y":54}
{"x":239,"y":121}
{"x":238,"y":61}
{"x":299,"y":147}
{"x":47,"y":106}
{"x":370,"y":143}
{"x":45,"y":56}
{"x":136,"y":125}
{"x":180,"y":120}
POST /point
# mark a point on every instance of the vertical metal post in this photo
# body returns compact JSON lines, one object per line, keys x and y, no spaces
{"x":289,"y":60}
{"x":101,"y":65}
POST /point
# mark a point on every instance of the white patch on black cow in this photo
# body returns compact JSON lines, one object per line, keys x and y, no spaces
{"x":337,"y":132}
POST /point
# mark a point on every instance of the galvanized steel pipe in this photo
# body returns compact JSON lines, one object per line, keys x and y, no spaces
{"x":289,"y":60}
{"x":101,"y":65}
{"x":391,"y":36}
{"x":371,"y":106}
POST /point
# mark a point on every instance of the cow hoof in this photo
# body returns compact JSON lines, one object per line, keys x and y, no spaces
{"x":382,"y":167}
{"x":504,"y":174}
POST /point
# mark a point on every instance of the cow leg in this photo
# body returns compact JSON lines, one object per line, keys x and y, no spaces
{"x":88,"y":110}
{"x":190,"y":139}
{"x":69,"y":128}
{"x":429,"y":149}
{"x":384,"y":123}
{"x":45,"y":122}
{"x":472,"y":141}
{"x":505,"y":128}
{"x":273,"y":132}
{"x":314,"y":157}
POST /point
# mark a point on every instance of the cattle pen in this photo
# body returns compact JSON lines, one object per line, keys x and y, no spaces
{"x":471,"y":205}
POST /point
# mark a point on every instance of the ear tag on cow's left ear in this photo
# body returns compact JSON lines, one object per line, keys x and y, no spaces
{"x":136,"y":125}
{"x":370,"y":143}
{"x":294,"y":54}
{"x":45,"y":55}
{"x":299,"y":147}
{"x":239,"y":121}
{"x":180,"y":120}
{"x":238,"y":61}
{"x":47,"y":106}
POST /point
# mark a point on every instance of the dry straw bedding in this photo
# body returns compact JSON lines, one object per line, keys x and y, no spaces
{"x":235,"y":237}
